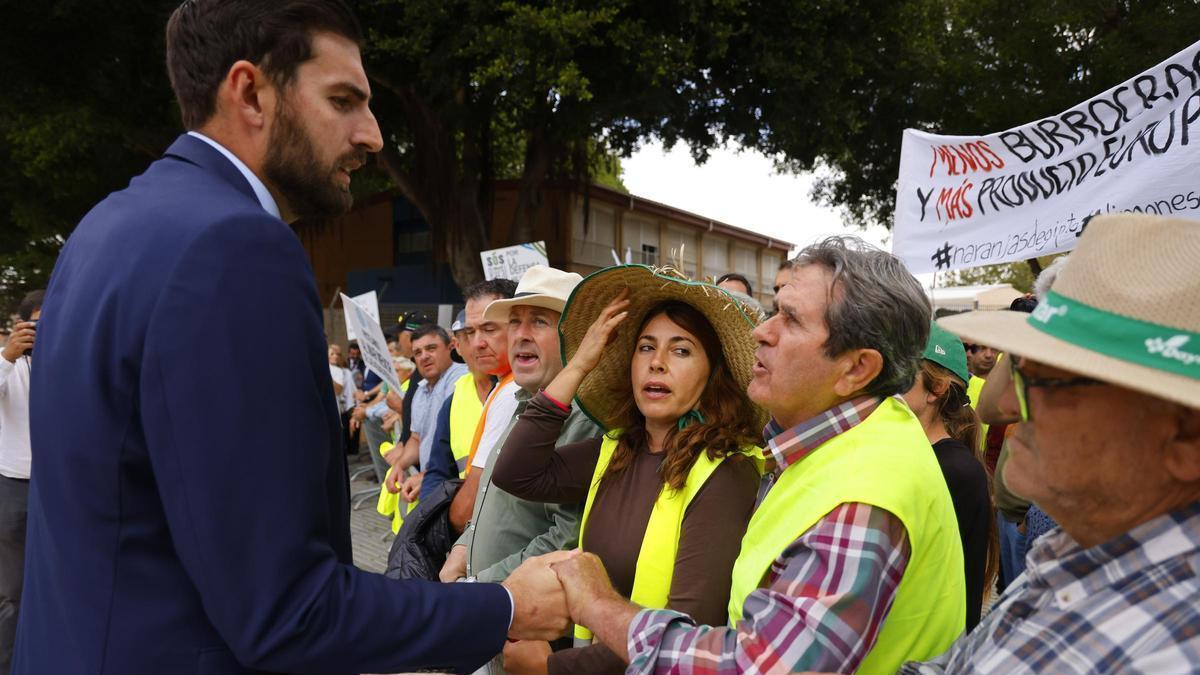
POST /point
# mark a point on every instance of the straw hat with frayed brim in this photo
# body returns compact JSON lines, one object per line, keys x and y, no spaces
{"x":608,"y":386}
{"x":1125,"y":309}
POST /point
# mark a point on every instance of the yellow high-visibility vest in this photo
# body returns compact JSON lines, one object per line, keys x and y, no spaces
{"x":660,"y":544}
{"x":973,"y":388}
{"x":885,"y":461}
{"x":465,"y":411}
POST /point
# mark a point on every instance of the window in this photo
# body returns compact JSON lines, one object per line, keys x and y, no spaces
{"x":681,"y":248}
{"x":595,"y":246}
{"x":770,"y":265}
{"x":745,"y":262}
{"x":641,"y":239}
{"x":716,"y":257}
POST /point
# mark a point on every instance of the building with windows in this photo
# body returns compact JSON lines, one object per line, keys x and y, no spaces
{"x":386,"y":245}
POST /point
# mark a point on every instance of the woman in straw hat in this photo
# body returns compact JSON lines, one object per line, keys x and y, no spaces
{"x":662,"y":364}
{"x":939,"y":399}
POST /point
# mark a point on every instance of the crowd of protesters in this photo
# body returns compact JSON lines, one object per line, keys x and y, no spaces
{"x":843,"y":485}
{"x":628,"y":472}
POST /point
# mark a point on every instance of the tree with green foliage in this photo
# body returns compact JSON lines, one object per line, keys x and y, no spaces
{"x":472,"y":90}
{"x":1020,"y":274}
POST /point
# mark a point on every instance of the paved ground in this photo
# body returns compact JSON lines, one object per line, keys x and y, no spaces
{"x":370,"y":532}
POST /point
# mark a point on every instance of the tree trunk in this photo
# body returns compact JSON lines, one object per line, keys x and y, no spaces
{"x":430,"y":178}
{"x":538,"y":157}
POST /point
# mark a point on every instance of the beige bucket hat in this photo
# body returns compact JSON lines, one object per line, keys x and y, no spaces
{"x":540,"y":286}
{"x":1125,"y":309}
{"x":605,"y":388}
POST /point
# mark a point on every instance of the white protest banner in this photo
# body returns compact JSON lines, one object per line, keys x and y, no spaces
{"x":511,"y":262}
{"x":370,"y":302}
{"x":370,"y":341}
{"x":964,"y":201}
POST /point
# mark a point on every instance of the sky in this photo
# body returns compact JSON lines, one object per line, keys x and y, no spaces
{"x":741,"y":188}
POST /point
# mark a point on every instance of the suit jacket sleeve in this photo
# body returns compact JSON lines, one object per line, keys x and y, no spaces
{"x":252,"y":484}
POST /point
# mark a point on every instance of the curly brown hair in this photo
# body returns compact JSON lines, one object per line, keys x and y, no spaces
{"x":728,"y":424}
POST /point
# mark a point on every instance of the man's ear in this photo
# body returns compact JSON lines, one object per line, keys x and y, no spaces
{"x":247,"y":94}
{"x":1182,"y":453}
{"x":859,"y":368}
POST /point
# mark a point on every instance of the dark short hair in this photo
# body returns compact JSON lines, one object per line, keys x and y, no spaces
{"x":353,"y":345}
{"x":428,"y":329}
{"x":734,"y":276}
{"x":875,"y":303}
{"x":206,"y":37}
{"x":498,"y":288}
{"x":1026,"y":305}
{"x":31,"y":303}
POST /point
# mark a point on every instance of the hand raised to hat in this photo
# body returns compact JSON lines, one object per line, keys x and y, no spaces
{"x":591,"y":348}
{"x":600,"y":333}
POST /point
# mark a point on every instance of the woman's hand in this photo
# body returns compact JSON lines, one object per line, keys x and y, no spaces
{"x":599,"y":334}
{"x":526,"y":657}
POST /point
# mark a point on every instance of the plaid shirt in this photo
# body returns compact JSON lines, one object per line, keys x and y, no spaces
{"x":825,"y":597}
{"x":1130,"y":605}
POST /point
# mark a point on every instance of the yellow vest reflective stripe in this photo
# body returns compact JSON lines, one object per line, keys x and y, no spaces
{"x":885,"y":461}
{"x":660,"y":543}
{"x":465,"y":411}
{"x":973,"y":388}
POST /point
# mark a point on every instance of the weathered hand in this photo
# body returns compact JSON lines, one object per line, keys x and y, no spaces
{"x":412,"y":487}
{"x":600,"y":333}
{"x":526,"y":657}
{"x":456,"y":565}
{"x":393,"y":454}
{"x":539,"y":605}
{"x":584,"y":581}
{"x":392,"y":481}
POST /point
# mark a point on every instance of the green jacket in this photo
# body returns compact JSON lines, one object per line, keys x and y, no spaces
{"x":505,"y":530}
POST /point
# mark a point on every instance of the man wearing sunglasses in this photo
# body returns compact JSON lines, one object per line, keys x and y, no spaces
{"x":1106,"y":384}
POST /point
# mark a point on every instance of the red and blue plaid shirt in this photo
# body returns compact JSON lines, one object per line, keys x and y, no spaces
{"x":825,"y":596}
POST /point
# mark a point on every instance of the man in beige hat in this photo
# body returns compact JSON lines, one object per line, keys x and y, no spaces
{"x":505,"y":530}
{"x":1106,"y":381}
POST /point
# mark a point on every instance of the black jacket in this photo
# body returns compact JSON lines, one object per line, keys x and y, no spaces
{"x":421,"y":546}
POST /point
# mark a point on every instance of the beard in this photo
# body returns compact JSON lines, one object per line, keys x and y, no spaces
{"x":293,"y":167}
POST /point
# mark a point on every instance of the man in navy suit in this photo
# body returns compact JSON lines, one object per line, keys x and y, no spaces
{"x":181,"y":520}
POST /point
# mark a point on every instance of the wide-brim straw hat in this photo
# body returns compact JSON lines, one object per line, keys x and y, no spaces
{"x":1125,"y":309}
{"x":608,"y":386}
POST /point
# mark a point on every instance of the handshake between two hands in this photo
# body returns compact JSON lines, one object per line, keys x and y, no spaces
{"x":552,"y":591}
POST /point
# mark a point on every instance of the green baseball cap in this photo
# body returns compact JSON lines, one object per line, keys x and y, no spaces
{"x":946,"y":350}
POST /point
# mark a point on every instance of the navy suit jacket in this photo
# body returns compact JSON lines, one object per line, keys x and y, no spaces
{"x":183,"y":517}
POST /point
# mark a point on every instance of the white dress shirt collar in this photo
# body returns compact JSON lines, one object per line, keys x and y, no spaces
{"x":260,"y":190}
